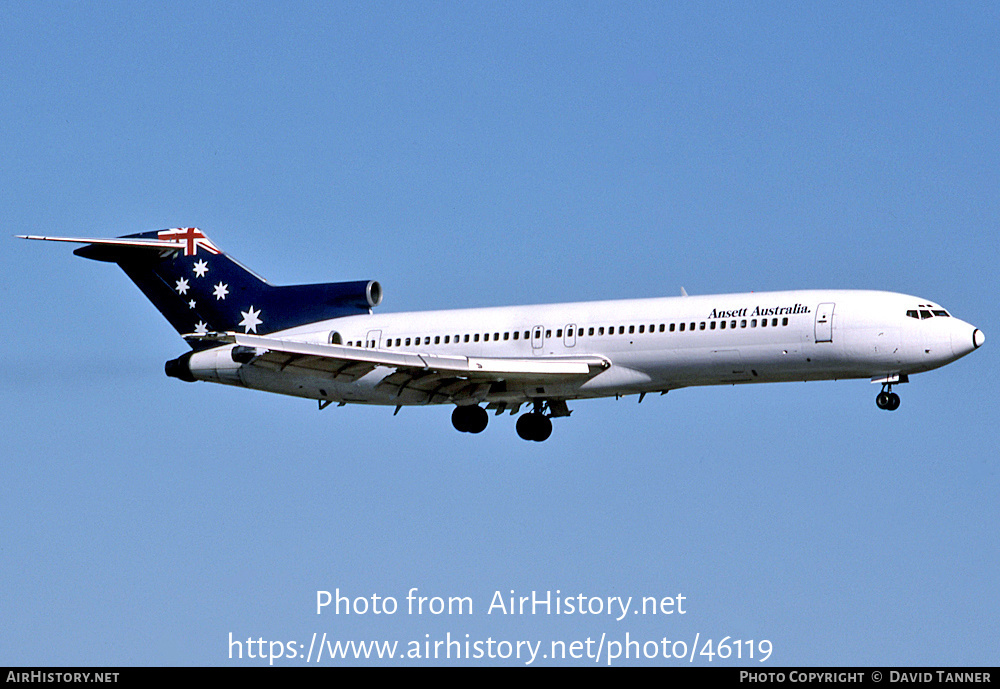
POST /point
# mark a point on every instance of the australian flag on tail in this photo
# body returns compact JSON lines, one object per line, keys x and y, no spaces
{"x":199,"y":289}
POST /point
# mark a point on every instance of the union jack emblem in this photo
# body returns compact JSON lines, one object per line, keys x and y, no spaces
{"x":192,"y":238}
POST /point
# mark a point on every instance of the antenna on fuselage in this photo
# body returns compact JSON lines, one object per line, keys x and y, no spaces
{"x":684,"y":292}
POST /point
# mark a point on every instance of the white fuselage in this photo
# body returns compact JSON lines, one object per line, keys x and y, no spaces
{"x":652,"y":344}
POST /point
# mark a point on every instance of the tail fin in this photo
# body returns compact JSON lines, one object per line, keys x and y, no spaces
{"x":200,"y":289}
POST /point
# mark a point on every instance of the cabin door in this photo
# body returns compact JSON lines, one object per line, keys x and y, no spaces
{"x":824,"y":323}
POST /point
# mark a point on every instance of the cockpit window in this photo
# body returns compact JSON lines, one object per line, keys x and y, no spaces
{"x":923,"y":314}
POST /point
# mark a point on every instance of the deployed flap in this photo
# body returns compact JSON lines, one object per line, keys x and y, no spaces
{"x":338,"y":359}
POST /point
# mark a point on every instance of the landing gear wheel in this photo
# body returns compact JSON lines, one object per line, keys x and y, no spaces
{"x":470,"y":419}
{"x":534,"y":426}
{"x":887,"y":400}
{"x":478,"y":419}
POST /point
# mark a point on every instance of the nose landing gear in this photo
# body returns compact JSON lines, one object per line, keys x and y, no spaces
{"x":887,"y":399}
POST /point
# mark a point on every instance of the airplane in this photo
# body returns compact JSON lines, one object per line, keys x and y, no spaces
{"x":323,"y":341}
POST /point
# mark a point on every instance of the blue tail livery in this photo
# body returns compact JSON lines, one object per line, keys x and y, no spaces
{"x":199,"y":289}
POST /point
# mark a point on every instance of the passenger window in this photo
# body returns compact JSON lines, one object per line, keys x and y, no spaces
{"x":722,"y":325}
{"x":753,"y":322}
{"x":692,"y":326}
{"x":621,"y":329}
{"x":475,"y":338}
{"x":784,"y":321}
{"x":682,"y":326}
{"x":407,"y":342}
{"x":642,"y":329}
{"x":661,"y":327}
{"x":701,"y":326}
{"x":600,"y":331}
{"x":506,"y":336}
{"x":743,"y":323}
{"x":671,"y":327}
{"x":548,"y":333}
{"x":437,"y":339}
{"x":590,"y":332}
{"x":763,"y":322}
{"x":559,"y":332}
{"x":516,"y":333}
{"x":712,"y":326}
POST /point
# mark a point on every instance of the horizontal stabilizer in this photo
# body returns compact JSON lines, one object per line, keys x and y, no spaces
{"x":136,"y":243}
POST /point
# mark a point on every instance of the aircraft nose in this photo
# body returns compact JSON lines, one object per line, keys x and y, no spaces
{"x":966,"y":339}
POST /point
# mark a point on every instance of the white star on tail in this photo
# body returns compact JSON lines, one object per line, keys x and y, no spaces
{"x":250,"y":320}
{"x":182,"y":286}
{"x":201,"y":328}
{"x":221,"y":290}
{"x":200,"y":268}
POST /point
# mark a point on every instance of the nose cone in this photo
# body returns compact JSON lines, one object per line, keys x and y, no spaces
{"x":965,"y":339}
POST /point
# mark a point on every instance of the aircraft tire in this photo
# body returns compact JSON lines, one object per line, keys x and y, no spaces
{"x":470,"y":419}
{"x":893,"y":402}
{"x":534,"y":426}
{"x":543,"y":429}
{"x":460,"y":420}
{"x":883,"y":400}
{"x":478,"y":419}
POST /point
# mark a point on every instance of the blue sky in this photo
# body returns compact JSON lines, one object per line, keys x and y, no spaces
{"x":474,"y":154}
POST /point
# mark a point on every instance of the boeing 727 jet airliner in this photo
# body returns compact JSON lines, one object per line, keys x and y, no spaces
{"x":323,"y":342}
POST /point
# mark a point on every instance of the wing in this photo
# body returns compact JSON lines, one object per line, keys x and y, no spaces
{"x":453,"y":378}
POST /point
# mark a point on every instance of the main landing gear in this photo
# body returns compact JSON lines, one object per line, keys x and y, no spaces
{"x":887,"y":399}
{"x":534,"y":425}
{"x":470,"y":419}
